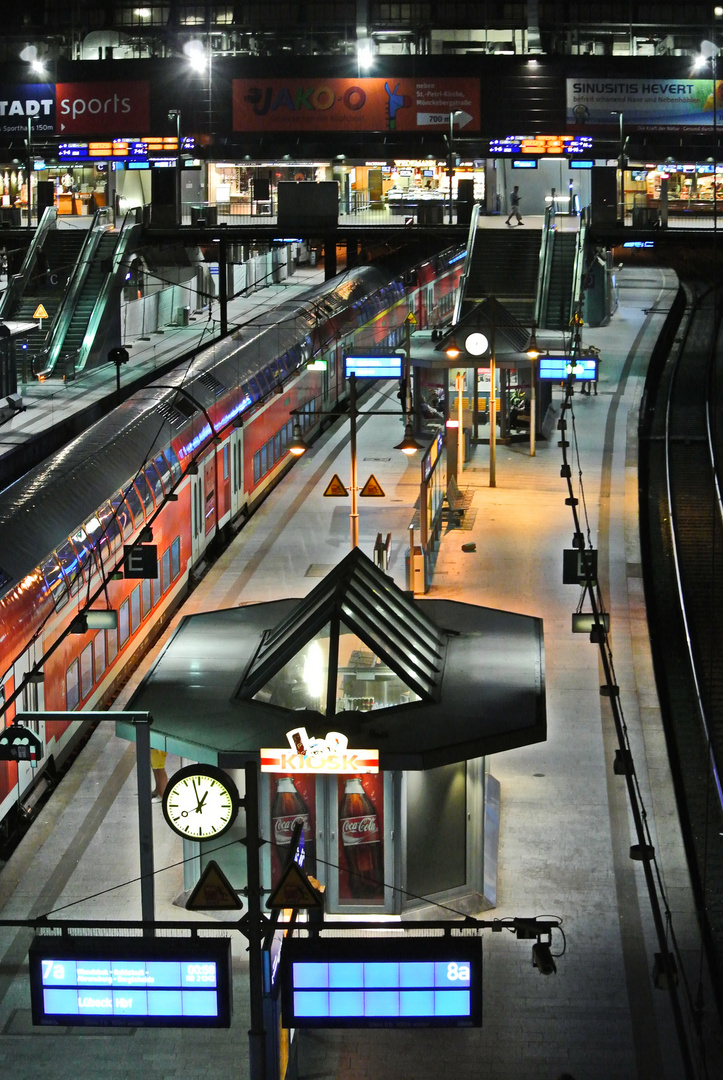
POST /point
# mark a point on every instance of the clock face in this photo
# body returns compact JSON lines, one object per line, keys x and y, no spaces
{"x":476,"y":344}
{"x":200,"y":802}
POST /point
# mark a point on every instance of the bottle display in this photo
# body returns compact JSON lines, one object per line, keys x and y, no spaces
{"x":360,"y":844}
{"x":289,"y":806}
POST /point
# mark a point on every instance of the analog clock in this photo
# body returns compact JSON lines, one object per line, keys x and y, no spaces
{"x":200,"y":802}
{"x":476,"y":344}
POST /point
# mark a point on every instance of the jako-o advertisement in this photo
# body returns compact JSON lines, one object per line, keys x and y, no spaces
{"x":354,"y":104}
{"x":655,"y":104}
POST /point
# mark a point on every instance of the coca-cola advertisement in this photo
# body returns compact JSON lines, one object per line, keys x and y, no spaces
{"x":361,"y":839}
{"x":293,"y":798}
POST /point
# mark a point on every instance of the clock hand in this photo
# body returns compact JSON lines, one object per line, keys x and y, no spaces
{"x":199,"y":808}
{"x":199,"y":802}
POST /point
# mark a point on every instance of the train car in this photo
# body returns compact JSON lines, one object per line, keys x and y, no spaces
{"x":166,"y":473}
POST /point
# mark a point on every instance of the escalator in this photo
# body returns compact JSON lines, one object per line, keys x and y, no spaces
{"x":559,"y":290}
{"x":76,"y":339}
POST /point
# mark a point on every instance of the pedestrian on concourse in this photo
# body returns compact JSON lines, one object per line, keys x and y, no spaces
{"x":515,"y":206}
{"x":158,"y":764}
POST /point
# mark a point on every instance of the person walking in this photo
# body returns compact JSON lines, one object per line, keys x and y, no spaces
{"x":515,"y":206}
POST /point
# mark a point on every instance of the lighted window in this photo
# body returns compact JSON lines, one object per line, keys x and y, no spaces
{"x":72,"y":687}
{"x":86,"y":671}
{"x":99,"y":654}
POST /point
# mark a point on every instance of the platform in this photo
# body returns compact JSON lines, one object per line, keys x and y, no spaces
{"x":565,"y":831}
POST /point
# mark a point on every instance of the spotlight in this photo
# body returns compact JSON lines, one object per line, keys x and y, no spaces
{"x":409,"y":444}
{"x":297,"y":446}
{"x":542,"y":959}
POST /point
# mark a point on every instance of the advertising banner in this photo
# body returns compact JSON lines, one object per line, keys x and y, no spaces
{"x":32,"y":101}
{"x":657,"y":104}
{"x":108,"y":108}
{"x":354,"y":104}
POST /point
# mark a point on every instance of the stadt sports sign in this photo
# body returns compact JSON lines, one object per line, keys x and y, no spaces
{"x":97,"y":108}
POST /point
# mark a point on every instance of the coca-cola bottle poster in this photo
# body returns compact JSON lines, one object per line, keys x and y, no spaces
{"x":361,"y":839}
{"x":292,"y":798}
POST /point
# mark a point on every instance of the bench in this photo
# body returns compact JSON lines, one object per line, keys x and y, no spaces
{"x":453,"y":506}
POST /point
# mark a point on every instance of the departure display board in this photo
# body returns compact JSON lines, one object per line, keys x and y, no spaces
{"x":373,"y":367}
{"x":131,"y":150}
{"x":130,"y":982}
{"x":542,"y":144}
{"x":557,"y":368}
{"x":363,"y":982}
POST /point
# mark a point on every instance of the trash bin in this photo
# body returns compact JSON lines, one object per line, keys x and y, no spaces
{"x":204,"y":215}
{"x":183,"y":315}
{"x":417,"y":576}
{"x":645,"y":217}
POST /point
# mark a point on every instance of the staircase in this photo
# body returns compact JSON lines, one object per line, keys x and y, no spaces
{"x":559,"y":291}
{"x":505,"y":265}
{"x":94,"y":278}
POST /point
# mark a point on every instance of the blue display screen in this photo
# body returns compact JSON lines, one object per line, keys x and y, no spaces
{"x":131,"y":981}
{"x":399,"y":987}
{"x":557,"y":368}
{"x":373,"y":367}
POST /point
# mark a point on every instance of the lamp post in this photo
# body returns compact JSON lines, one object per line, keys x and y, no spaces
{"x":450,"y":166}
{"x":175,"y":114}
{"x":621,"y":164}
{"x":408,"y":446}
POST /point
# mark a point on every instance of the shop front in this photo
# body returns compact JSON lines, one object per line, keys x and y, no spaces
{"x":372,"y":717}
{"x":654,"y":193}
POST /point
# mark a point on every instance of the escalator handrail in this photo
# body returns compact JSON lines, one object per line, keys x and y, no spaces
{"x":471,"y":237}
{"x":16,"y":284}
{"x":578,"y":270}
{"x":124,"y":238}
{"x":545,"y":267}
{"x":47,"y":358}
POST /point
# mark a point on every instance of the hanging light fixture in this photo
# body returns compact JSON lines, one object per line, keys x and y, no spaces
{"x":409,"y":444}
{"x":297,"y":446}
{"x":452,"y":349}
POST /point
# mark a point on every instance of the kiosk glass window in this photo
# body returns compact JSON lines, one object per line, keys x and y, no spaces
{"x":364,"y":681}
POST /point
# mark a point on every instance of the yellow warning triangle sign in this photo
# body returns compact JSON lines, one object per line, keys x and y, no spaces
{"x":214,"y":892}
{"x":335,"y":487}
{"x":40,"y":313}
{"x":294,"y":890}
{"x":372,"y":489}
{"x":411,"y":318}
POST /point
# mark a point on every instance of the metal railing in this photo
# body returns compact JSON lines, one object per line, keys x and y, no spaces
{"x":17,"y":283}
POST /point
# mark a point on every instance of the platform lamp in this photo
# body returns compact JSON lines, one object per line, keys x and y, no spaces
{"x":621,"y":162}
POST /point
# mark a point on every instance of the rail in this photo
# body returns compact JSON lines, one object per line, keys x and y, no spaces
{"x":578,"y":271}
{"x":544,"y":268}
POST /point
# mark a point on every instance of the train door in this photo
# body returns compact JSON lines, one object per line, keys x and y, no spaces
{"x":197,"y":516}
{"x":237,"y":470}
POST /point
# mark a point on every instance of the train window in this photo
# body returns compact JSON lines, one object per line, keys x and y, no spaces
{"x":123,"y":624}
{"x":99,"y":654}
{"x":263,"y":452}
{"x":154,"y":482}
{"x":134,"y":503}
{"x":68,"y":559}
{"x":72,"y":688}
{"x":111,"y":645}
{"x":123,"y":517}
{"x":257,"y":466}
{"x":164,"y":472}
{"x":145,"y":597}
{"x":170,"y":455}
{"x":226,"y":461}
{"x":175,"y":558}
{"x":277,"y":446}
{"x":86,"y":671}
{"x":155,"y":590}
{"x":135,"y":609}
{"x":84,"y":548}
{"x":166,"y":569}
{"x":55,"y":581}
{"x":142,"y":487}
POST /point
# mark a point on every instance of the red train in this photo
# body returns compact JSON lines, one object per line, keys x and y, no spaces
{"x":181,"y":461}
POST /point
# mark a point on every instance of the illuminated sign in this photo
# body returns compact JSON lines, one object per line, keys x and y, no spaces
{"x":541,"y":145}
{"x":430,"y":459}
{"x":348,"y":105}
{"x":373,"y":367}
{"x":112,"y":108}
{"x":328,"y":755}
{"x":130,"y":982}
{"x":558,"y":368}
{"x":521,"y":163}
{"x":363,"y":982}
{"x":581,"y":163}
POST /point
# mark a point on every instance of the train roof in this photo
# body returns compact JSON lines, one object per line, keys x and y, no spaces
{"x":46,"y":506}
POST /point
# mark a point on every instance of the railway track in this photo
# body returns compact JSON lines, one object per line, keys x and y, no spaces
{"x":681,"y":451}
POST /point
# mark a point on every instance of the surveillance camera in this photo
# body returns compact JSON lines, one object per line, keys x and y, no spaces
{"x":542,"y":959}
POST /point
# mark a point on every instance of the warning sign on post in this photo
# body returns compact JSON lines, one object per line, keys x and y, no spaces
{"x":214,"y":892}
{"x":372,"y":489}
{"x":335,"y":488}
{"x":40,"y":312}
